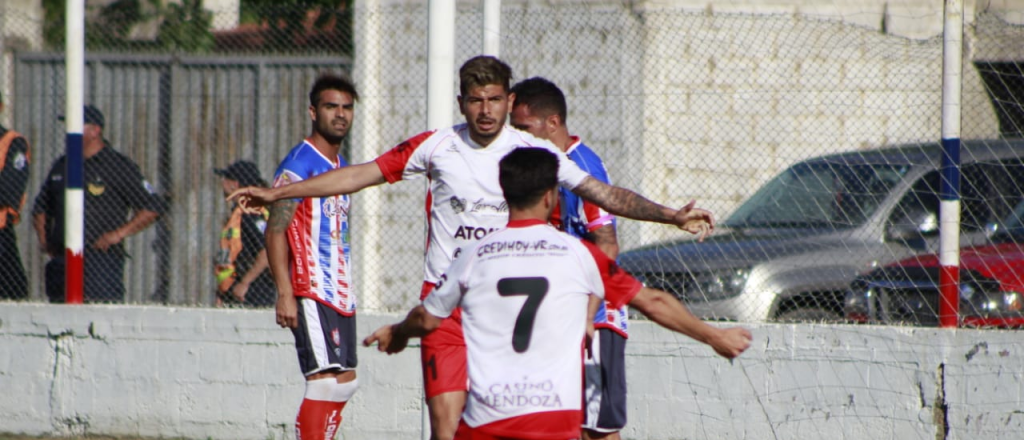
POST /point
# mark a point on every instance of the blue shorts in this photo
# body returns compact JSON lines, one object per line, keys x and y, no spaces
{"x":325,"y":339}
{"x":604,"y":399}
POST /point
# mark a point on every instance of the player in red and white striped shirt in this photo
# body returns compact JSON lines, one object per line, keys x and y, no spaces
{"x":524,"y":292}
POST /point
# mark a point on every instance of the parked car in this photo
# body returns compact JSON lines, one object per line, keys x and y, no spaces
{"x":790,"y":251}
{"x":991,"y":285}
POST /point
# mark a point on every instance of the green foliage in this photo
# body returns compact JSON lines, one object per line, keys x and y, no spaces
{"x":330,"y":28}
{"x":184,"y":27}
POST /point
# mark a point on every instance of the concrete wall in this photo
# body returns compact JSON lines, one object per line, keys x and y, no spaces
{"x":232,"y":374}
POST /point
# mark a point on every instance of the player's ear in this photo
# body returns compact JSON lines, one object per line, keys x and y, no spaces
{"x":552,"y":122}
{"x":511,"y":100}
{"x":462,"y":110}
{"x":312,"y":113}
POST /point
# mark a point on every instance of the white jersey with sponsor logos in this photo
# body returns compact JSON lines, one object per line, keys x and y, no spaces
{"x":523,"y":292}
{"x":319,"y":233}
{"x":465,"y":201}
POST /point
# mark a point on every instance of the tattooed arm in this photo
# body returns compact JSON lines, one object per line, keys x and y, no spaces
{"x":625,"y":203}
{"x":344,"y":180}
{"x":281,"y":213}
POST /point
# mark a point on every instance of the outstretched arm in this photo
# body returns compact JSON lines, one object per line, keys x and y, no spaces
{"x":668,"y":312}
{"x":394,"y":338}
{"x":344,"y":180}
{"x":625,"y":203}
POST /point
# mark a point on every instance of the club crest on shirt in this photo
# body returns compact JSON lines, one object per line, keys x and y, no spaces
{"x":333,"y":206}
{"x":336,"y":336}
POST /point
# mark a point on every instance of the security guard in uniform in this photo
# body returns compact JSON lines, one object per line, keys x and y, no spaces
{"x":241,"y":264}
{"x":14,"y":158}
{"x":114,"y":188}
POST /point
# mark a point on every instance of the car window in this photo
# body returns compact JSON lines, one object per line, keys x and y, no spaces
{"x":920,"y":204}
{"x":988,"y":192}
{"x":1011,"y":228}
{"x":819,"y":195}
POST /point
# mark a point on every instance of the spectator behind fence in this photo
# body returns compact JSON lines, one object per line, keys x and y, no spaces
{"x":14,"y":157}
{"x":241,"y":264}
{"x":114,"y":188}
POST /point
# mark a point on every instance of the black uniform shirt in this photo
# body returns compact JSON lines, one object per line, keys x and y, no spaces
{"x":114,"y":187}
{"x":14,"y":175}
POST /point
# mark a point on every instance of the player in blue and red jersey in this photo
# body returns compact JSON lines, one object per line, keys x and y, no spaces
{"x":540,"y":109}
{"x":308,"y":250}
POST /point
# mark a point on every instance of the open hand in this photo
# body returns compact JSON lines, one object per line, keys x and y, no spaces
{"x":700,"y":222}
{"x":387,"y":339}
{"x":252,"y":198}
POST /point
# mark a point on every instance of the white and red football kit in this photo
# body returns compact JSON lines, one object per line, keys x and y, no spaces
{"x":523,"y":292}
{"x":465,"y":202}
{"x":319,"y":233}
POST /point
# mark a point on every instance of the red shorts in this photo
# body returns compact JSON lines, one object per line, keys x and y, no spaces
{"x":443,"y":355}
{"x":465,"y":432}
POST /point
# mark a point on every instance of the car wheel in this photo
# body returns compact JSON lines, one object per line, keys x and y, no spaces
{"x":809,"y":314}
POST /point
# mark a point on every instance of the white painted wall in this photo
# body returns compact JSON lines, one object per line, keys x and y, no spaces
{"x":232,"y":374}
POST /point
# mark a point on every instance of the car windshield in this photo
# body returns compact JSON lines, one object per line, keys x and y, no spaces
{"x":1012,"y":227}
{"x":819,"y":195}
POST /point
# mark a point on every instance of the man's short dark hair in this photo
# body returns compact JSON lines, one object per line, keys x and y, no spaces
{"x":543,"y":97}
{"x":526,"y":174}
{"x":484,"y":70}
{"x":331,"y":81}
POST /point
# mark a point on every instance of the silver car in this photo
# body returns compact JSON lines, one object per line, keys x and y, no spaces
{"x":790,"y":251}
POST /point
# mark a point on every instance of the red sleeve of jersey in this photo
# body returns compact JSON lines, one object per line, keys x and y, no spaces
{"x":596,"y":218}
{"x":392,"y":163}
{"x":619,"y":286}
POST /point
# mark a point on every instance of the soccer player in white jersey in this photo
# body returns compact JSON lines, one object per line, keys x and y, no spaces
{"x":524,"y":291}
{"x":540,"y":109}
{"x":307,"y":242}
{"x":466,"y":203}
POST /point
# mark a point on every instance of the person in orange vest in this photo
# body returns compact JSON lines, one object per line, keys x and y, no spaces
{"x":14,"y":158}
{"x":241,"y":263}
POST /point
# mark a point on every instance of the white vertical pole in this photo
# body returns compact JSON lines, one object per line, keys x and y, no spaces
{"x":949,"y":196}
{"x":440,"y":63}
{"x":440,"y":86}
{"x":492,"y":27}
{"x":74,"y":179}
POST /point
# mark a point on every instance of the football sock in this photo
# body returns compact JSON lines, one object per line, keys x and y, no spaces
{"x":340,"y":396}
{"x":317,"y":411}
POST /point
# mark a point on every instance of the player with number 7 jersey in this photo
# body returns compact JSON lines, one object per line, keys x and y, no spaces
{"x":524,"y":382}
{"x":524,"y":292}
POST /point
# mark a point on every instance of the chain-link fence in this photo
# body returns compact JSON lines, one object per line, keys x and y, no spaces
{"x":709,"y":104}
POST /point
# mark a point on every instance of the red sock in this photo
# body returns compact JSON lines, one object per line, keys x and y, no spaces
{"x":333,"y":420}
{"x":314,"y":419}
